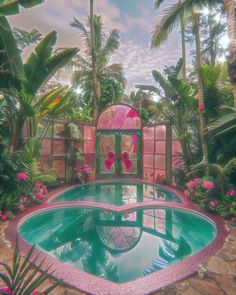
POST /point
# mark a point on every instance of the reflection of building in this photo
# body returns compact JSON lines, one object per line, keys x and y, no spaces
{"x":154,"y":236}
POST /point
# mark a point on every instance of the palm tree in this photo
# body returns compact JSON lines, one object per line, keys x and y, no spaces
{"x":171,"y":17}
{"x":94,"y":67}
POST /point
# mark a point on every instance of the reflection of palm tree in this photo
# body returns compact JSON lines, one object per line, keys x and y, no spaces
{"x":88,"y":251}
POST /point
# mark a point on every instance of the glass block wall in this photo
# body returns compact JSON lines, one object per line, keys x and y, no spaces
{"x":160,"y":151}
{"x":54,"y":150}
{"x":154,"y":152}
{"x":89,"y":139}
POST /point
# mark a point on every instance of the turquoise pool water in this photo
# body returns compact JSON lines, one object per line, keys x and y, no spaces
{"x":119,"y":247}
{"x":117,"y":193}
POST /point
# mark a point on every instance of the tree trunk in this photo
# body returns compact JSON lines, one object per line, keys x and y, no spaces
{"x":183,"y":48}
{"x":200,"y":89}
{"x":231,"y":26}
{"x":96,"y":85}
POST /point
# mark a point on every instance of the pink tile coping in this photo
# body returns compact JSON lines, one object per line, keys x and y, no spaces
{"x":91,"y":284}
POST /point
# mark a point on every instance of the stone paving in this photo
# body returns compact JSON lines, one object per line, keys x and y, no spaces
{"x":217,"y":276}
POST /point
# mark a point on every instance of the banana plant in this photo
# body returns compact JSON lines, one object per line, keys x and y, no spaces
{"x":21,"y":92}
{"x":178,"y":106}
{"x":9,"y":7}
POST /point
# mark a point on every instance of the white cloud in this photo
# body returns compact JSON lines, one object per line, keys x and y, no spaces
{"x":138,"y":60}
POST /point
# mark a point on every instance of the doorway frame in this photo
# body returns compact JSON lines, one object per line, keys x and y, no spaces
{"x":118,"y":150}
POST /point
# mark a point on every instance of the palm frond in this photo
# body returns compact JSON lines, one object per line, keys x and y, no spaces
{"x":223,"y":125}
{"x":111,"y":44}
{"x":116,"y":71}
{"x":84,"y":32}
{"x":158,"y":3}
{"x":149,"y":88}
{"x":170,"y":17}
{"x":231,"y":165}
{"x":98,"y":34}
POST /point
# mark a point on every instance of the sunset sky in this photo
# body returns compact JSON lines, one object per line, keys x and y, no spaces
{"x":134,"y":19}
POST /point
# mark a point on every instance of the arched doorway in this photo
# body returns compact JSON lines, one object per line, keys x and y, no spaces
{"x":118,"y":142}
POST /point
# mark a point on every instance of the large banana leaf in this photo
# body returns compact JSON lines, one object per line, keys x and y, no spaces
{"x":223,"y":125}
{"x":12,"y":68}
{"x":42,"y":63}
{"x":8,"y":7}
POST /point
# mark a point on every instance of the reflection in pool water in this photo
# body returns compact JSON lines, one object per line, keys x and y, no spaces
{"x":118,"y":193}
{"x":118,"y":246}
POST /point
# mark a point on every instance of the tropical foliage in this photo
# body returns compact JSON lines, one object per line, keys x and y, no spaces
{"x":8,"y":7}
{"x":20,"y":83}
{"x":109,"y":77}
{"x":24,"y":276}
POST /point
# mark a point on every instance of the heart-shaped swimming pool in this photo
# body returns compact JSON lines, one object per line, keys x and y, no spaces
{"x":118,"y":246}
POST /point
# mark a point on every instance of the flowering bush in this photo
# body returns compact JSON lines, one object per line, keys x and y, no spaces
{"x":24,"y":196}
{"x":160,"y":179}
{"x":83,"y":174}
{"x":207,"y":193}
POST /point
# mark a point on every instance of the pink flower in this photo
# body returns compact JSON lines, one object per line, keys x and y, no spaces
{"x":132,"y":113}
{"x":39,"y":196}
{"x":6,"y":290}
{"x":21,"y":176}
{"x":191,"y":184}
{"x":21,"y":199}
{"x":84,"y":169}
{"x":201,"y":106}
{"x":45,"y":191}
{"x":214,"y":203}
{"x":208,"y":184}
{"x":4,"y":217}
{"x":35,"y":292}
{"x":38,"y":184}
{"x":231,"y":192}
{"x":21,"y":207}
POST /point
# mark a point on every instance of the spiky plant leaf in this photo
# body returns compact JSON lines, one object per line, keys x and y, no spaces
{"x":28,"y":277}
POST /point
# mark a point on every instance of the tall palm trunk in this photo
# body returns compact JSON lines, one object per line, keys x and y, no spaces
{"x":200,"y":88}
{"x":231,"y":25}
{"x":96,"y":85}
{"x":183,"y":48}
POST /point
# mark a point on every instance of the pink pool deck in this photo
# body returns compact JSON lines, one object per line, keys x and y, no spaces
{"x":91,"y":284}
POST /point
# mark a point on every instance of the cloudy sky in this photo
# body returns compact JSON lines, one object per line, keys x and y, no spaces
{"x":134,"y":19}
